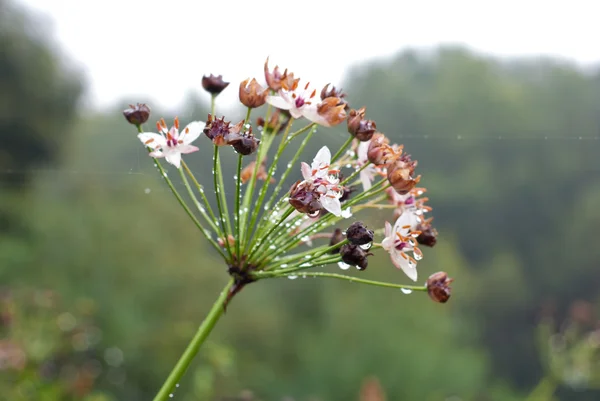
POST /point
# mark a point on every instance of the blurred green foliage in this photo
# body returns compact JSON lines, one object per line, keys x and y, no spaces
{"x":508,"y":151}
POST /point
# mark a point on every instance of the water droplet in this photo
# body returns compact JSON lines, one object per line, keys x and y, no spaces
{"x":348,"y":165}
{"x":306,"y":238}
{"x":272,"y":247}
{"x":171,"y":395}
{"x":417,"y":255}
{"x":283,"y":266}
{"x":235,"y":177}
{"x":292,"y":276}
{"x":177,"y":385}
{"x":343,"y":266}
{"x":308,"y":257}
{"x":147,"y":190}
{"x":366,"y":246}
{"x":406,"y":291}
{"x":289,"y":165}
{"x":266,"y":207}
{"x":306,"y":265}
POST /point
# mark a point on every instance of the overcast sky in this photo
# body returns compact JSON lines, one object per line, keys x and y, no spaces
{"x":162,"y":48}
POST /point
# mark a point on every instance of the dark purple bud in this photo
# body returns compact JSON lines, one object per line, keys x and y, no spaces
{"x":358,"y":234}
{"x":214,"y":84}
{"x":138,"y":114}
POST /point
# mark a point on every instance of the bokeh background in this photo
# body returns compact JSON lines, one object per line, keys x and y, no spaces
{"x":103,"y":279}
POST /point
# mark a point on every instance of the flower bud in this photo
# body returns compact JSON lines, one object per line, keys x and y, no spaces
{"x":244,"y":143}
{"x":354,"y":255}
{"x":331,"y":111}
{"x":336,"y":238}
{"x":252,"y":94}
{"x":138,"y":114}
{"x":438,"y":287}
{"x":428,"y":236}
{"x":400,"y":173}
{"x":379,"y":152}
{"x":337,"y":93}
{"x":214,"y":84}
{"x":360,"y":128}
{"x":358,"y":234}
{"x":304,"y":199}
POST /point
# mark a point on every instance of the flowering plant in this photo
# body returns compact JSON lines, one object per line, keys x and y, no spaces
{"x":273,"y":235}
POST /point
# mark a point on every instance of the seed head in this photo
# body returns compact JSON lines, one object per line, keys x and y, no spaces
{"x":380,"y":152}
{"x":438,"y":287}
{"x":276,"y":78}
{"x":332,"y":111}
{"x":304,"y":199}
{"x":252,"y":94}
{"x":358,"y":234}
{"x":428,"y":236}
{"x":214,"y":84}
{"x":400,"y":174}
{"x":354,"y":255}
{"x":244,"y":143}
{"x":359,"y":127}
{"x":217,"y":130}
{"x":138,"y":114}
{"x":337,"y":93}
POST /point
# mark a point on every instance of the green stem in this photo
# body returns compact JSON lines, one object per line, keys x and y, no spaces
{"x":192,"y":349}
{"x":342,"y":149}
{"x":543,"y":391}
{"x":200,"y":189}
{"x":238,"y":189}
{"x":343,"y":277}
{"x":266,"y":236}
{"x":221,"y":201}
{"x":198,"y":205}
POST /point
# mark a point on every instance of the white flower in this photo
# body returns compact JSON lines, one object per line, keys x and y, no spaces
{"x":367,"y":175}
{"x":320,"y":178}
{"x":170,"y":143}
{"x":299,"y":102}
{"x":401,"y":239}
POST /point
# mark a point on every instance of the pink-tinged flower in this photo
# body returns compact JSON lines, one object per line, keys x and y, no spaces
{"x":400,"y":240}
{"x":300,"y":102}
{"x":367,"y":175}
{"x":170,"y":143}
{"x":323,"y":182}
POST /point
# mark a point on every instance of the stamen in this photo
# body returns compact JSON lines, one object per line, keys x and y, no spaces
{"x":149,"y":141}
{"x":313,"y":93}
{"x":176,"y":122}
{"x":163,"y":123}
{"x":306,"y":86}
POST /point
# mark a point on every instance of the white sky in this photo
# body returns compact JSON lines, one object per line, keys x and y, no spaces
{"x":162,"y":48}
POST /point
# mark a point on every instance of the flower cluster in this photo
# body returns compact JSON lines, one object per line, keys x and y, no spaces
{"x":289,"y":229}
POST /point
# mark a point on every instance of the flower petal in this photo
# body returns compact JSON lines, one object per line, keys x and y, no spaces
{"x":321,"y":161}
{"x":365,"y":179}
{"x":152,"y":140}
{"x":174,"y":158}
{"x":331,"y":204}
{"x":310,"y":113}
{"x":404,"y":263}
{"x":306,"y":171}
{"x":279,"y":102}
{"x":156,"y":153}
{"x":191,"y":132}
{"x":361,"y":151}
{"x":185,"y":149}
